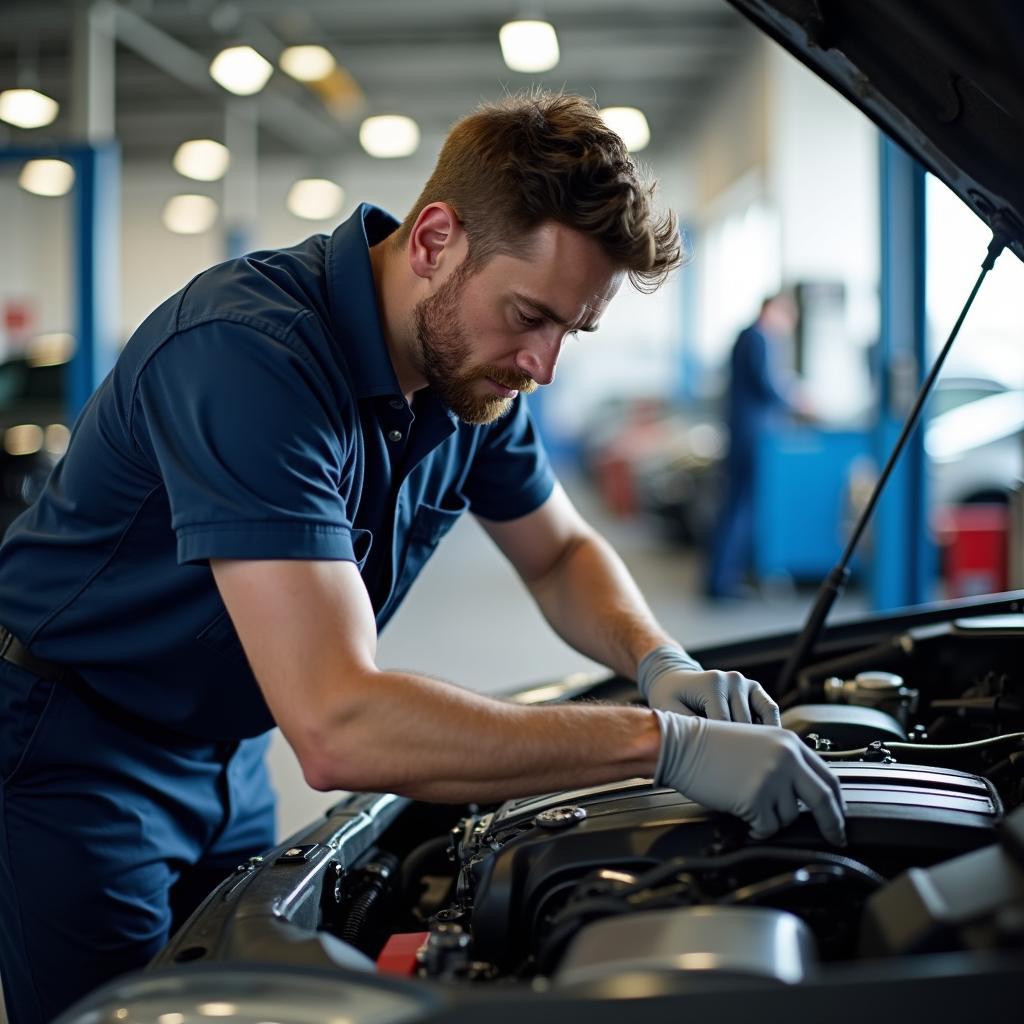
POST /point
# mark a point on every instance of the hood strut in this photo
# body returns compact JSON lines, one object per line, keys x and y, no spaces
{"x":835,"y":583}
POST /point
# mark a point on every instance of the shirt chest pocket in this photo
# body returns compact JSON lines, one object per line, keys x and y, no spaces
{"x":430,"y":523}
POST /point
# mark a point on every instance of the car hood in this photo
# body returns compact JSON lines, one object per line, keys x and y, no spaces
{"x":941,"y":77}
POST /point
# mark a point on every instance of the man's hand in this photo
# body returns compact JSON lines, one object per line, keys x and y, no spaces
{"x":758,"y":774}
{"x":670,"y":680}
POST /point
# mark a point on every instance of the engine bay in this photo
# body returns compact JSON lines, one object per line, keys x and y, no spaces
{"x":583,"y":886}
{"x":595,"y":890}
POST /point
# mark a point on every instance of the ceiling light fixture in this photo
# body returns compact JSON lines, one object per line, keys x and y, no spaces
{"x":27,"y":108}
{"x":241,"y":70}
{"x":56,"y":438}
{"x":50,"y":349}
{"x":202,"y":159}
{"x":189,"y":214}
{"x":315,"y":199}
{"x":389,"y":135}
{"x":47,"y":177}
{"x":307,"y":63}
{"x":529,"y":46}
{"x":23,"y":439}
{"x":629,"y":124}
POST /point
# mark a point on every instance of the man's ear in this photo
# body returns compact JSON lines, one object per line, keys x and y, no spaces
{"x":437,"y":241}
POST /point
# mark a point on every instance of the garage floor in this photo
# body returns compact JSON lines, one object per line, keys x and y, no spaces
{"x":468,"y":620}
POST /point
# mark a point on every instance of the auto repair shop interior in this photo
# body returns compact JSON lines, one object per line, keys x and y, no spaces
{"x":143,"y":141}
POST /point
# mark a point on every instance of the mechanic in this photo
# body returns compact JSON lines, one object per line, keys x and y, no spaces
{"x":758,"y":395}
{"x":244,"y":503}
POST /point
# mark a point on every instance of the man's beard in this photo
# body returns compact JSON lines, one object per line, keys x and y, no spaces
{"x":445,"y":354}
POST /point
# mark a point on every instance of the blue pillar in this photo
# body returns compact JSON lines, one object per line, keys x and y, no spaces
{"x":97,"y":254}
{"x":903,"y":560}
{"x":97,"y":198}
{"x":691,"y":370}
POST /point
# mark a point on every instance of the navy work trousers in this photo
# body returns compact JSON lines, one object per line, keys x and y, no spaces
{"x":732,"y":545}
{"x":108,"y":837}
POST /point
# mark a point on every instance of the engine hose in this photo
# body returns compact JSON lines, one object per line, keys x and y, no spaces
{"x":780,"y":854}
{"x":938,"y":751}
{"x":790,"y":856}
{"x":819,"y":868}
{"x":377,"y":875}
{"x":780,"y":885}
{"x":415,"y":863}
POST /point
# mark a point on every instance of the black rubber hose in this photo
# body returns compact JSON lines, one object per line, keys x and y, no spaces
{"x":377,"y":877}
{"x":358,"y":913}
{"x":572,"y":917}
{"x":780,"y":854}
{"x":947,"y":752}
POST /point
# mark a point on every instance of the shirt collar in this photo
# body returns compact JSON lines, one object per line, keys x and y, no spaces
{"x":353,"y":300}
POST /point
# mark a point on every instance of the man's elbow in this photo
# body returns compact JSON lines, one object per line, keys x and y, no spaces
{"x":325,"y":770}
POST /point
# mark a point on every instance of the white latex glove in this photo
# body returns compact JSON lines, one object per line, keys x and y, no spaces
{"x":671,"y":680}
{"x":757,"y":773}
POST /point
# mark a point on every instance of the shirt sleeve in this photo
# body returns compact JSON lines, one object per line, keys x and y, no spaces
{"x":249,"y":441}
{"x":511,"y":474}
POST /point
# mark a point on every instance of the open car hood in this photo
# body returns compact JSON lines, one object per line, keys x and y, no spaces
{"x":941,"y":77}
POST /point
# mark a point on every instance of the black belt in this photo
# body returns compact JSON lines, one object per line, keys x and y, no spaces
{"x":14,"y":651}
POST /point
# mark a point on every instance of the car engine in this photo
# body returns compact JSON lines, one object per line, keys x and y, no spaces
{"x":587,"y":886}
{"x":622,"y":888}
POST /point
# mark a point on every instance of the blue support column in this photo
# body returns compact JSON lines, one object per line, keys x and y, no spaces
{"x":902,"y":563}
{"x":97,"y":260}
{"x":97,"y":269}
{"x":691,"y":370}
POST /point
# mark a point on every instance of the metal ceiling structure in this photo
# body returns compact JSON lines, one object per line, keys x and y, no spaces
{"x":429,"y":59}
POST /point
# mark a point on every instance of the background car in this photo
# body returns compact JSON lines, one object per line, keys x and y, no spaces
{"x":33,"y":427}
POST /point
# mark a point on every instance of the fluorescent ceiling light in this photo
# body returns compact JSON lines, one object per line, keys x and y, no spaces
{"x":24,"y":439}
{"x":629,"y":124}
{"x":241,"y":70}
{"x":50,"y":349}
{"x":189,"y":214}
{"x":529,"y":45}
{"x":315,"y":199}
{"x":389,"y":135}
{"x":307,"y":63}
{"x":56,"y":438}
{"x":26,"y":108}
{"x":47,"y":177}
{"x":202,"y":159}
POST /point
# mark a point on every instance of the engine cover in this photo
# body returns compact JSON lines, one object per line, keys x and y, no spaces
{"x":518,"y":861}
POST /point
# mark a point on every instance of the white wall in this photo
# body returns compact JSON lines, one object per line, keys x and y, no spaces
{"x":786,"y":191}
{"x":35,"y":255}
{"x":156,"y":263}
{"x":822,"y":175}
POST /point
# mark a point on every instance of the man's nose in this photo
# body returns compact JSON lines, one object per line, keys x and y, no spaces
{"x":539,"y":359}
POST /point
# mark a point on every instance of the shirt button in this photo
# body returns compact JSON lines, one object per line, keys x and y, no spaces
{"x":394,"y":435}
{"x":396,"y":403}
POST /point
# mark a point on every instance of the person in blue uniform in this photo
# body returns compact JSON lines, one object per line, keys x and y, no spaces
{"x":757,"y":397}
{"x":244,"y":503}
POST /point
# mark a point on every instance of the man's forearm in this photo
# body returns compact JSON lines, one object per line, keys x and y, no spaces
{"x":408,"y":734}
{"x":592,"y":602}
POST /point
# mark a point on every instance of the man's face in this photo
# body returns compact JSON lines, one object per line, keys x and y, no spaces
{"x":483,"y":336}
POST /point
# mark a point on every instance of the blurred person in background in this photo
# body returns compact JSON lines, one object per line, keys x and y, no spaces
{"x":759,"y":395}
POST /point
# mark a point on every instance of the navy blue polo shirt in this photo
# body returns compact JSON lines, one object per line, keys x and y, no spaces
{"x":255,"y":414}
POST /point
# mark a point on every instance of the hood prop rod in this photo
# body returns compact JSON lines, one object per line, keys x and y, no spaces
{"x":835,"y":583}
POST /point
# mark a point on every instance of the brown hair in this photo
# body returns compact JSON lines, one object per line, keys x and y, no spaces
{"x":533,"y":157}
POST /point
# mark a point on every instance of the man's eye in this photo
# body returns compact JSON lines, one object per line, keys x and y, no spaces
{"x":528,"y":321}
